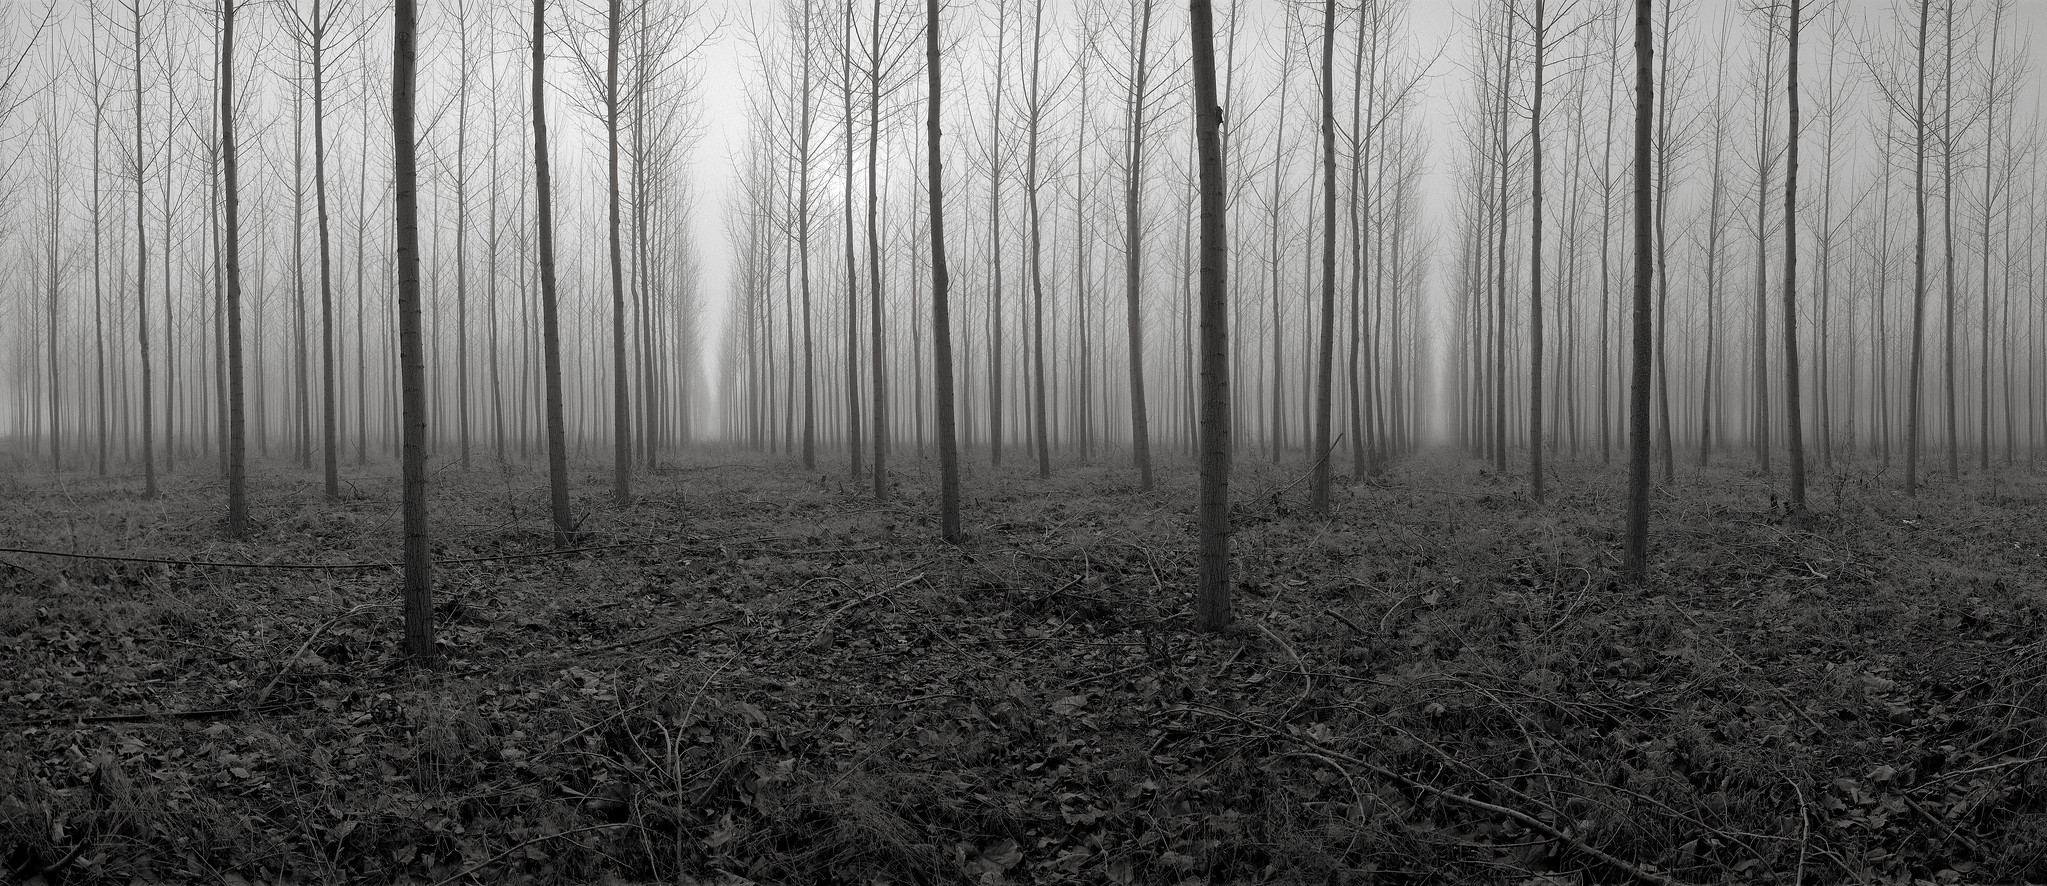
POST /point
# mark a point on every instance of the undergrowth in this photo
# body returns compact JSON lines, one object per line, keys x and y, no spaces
{"x":756,"y":674}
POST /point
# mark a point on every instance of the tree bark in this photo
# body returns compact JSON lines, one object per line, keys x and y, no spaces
{"x":1535,"y":262}
{"x":550,"y":313}
{"x":1914,"y":392}
{"x":1792,"y":407}
{"x":142,"y":275}
{"x":1133,"y":234}
{"x":1637,"y":540}
{"x":419,"y":607}
{"x":941,"y":284}
{"x":1325,"y":352}
{"x":237,"y":423}
{"x":1035,"y":117}
{"x":1212,"y":599}
{"x":621,"y":402}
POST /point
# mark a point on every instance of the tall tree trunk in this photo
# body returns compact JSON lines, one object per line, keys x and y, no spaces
{"x":1664,"y":150}
{"x":142,"y":274}
{"x":330,"y":430}
{"x":1325,"y":352}
{"x":55,"y":387}
{"x":170,"y":326}
{"x":237,"y":423}
{"x":880,"y":373}
{"x":1708,"y":406}
{"x":550,"y":313}
{"x":1502,"y":206}
{"x":1947,"y":250}
{"x":856,"y":462}
{"x":1212,"y":599}
{"x":1140,"y":422}
{"x":803,"y":253}
{"x":621,"y":402}
{"x":1793,"y":417}
{"x":419,"y":607}
{"x":464,"y":62}
{"x":1989,"y":206}
{"x":1760,"y":346}
{"x":995,"y":158}
{"x":1637,"y":543}
{"x":300,"y":379}
{"x":1606,"y":257}
{"x":1914,"y":392}
{"x":941,"y":284}
{"x":1034,"y":119}
{"x":1535,"y":262}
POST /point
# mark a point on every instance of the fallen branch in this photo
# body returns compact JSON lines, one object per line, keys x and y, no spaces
{"x":265,"y":693}
{"x":1517,"y":816}
{"x":881,"y":593}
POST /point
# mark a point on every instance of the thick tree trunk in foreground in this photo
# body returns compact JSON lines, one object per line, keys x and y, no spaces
{"x":550,"y":313}
{"x":1792,"y":406}
{"x":1637,"y":545}
{"x":1212,"y":597}
{"x":419,"y":606}
{"x":1325,"y":350}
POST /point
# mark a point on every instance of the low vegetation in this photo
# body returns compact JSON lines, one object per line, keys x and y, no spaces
{"x":757,"y":675}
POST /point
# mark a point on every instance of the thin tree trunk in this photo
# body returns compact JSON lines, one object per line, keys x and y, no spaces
{"x":1947,"y":251}
{"x":1535,"y":263}
{"x":941,"y":284}
{"x":856,"y":462}
{"x":330,"y":430}
{"x":142,"y":275}
{"x":237,"y":456}
{"x":1140,"y":422}
{"x":1036,"y":113}
{"x":803,"y":251}
{"x":1793,"y":417}
{"x":880,"y":373}
{"x":1914,"y":398}
{"x":621,"y":402}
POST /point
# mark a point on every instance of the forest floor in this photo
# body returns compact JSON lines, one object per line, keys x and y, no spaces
{"x":758,"y":675}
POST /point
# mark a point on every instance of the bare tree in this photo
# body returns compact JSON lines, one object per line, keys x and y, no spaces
{"x":941,"y":284}
{"x":1540,"y":38}
{"x":1792,"y":406}
{"x":621,"y":403}
{"x":141,"y":171}
{"x":237,"y":430}
{"x":419,"y":606}
{"x":1212,"y":601}
{"x":1133,"y":219}
{"x":550,"y":313}
{"x":313,"y":33}
{"x":1326,"y":348}
{"x":1637,"y":542}
{"x":1034,"y":116}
